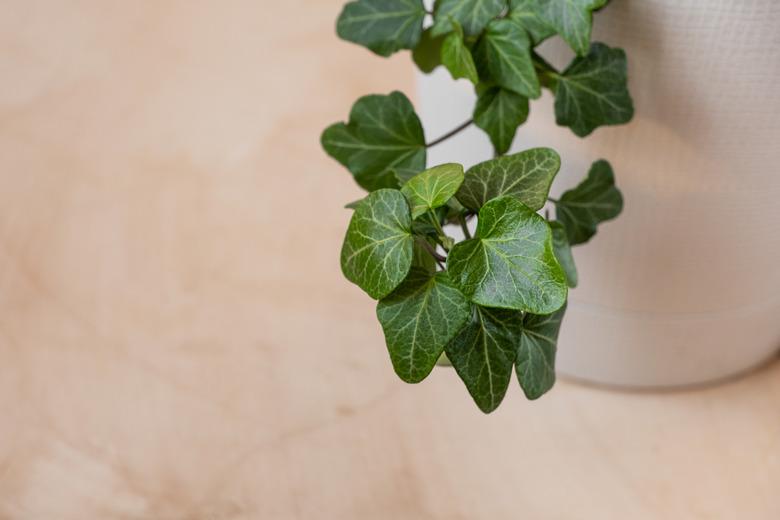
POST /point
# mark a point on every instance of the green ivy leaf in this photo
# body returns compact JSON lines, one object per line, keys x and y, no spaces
{"x":535,"y":364}
{"x":383,"y":138}
{"x":593,"y":201}
{"x":562,"y":251}
{"x":526,"y":13}
{"x":510,"y":262}
{"x":503,"y":55}
{"x":378,"y":248}
{"x":457,"y":57}
{"x":572,"y":19}
{"x":419,"y":319}
{"x":483,"y":353}
{"x":473,"y":15}
{"x":421,"y":258}
{"x":593,"y":91}
{"x":499,"y":112}
{"x":526,"y":176}
{"x":427,"y":54}
{"x":433,"y":188}
{"x":383,"y":26}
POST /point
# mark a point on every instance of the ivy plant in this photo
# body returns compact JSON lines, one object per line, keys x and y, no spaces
{"x":493,"y":301}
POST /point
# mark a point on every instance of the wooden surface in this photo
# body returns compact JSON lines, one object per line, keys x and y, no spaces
{"x":176,"y":339}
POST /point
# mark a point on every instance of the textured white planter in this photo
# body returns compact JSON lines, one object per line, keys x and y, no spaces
{"x":684,"y":288}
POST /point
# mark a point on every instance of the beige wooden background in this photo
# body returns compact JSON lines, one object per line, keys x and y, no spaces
{"x":176,"y":339}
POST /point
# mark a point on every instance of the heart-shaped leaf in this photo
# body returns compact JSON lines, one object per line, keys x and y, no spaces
{"x":535,"y":363}
{"x":382,"y":141}
{"x":572,"y":19}
{"x":510,"y":262}
{"x":593,"y":201}
{"x":593,"y":91}
{"x":473,"y":15}
{"x":483,"y":353}
{"x":419,"y":319}
{"x":562,"y":250}
{"x":527,"y":176}
{"x":378,"y":248}
{"x":503,"y":55}
{"x":433,"y":188}
{"x":383,"y":26}
{"x":457,"y":57}
{"x":499,"y":112}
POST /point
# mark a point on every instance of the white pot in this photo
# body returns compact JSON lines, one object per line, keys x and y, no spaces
{"x":684,"y":287}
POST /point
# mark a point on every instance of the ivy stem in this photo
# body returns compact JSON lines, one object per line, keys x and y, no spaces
{"x":439,"y":230}
{"x":554,"y":201}
{"x":428,"y":247}
{"x":450,"y":134}
{"x":464,"y":227}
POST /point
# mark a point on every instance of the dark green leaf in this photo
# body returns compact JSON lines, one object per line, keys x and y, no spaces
{"x":433,"y":187}
{"x":384,"y":138}
{"x":593,"y":91}
{"x":526,"y":176}
{"x":457,"y":57}
{"x":473,"y":15}
{"x":377,"y":251}
{"x":593,"y":201}
{"x":526,"y":13}
{"x":427,"y":54}
{"x":535,"y":364}
{"x":572,"y":19}
{"x":499,"y":112}
{"x":419,"y":319}
{"x":384,"y":26}
{"x":483,"y":353}
{"x":562,"y":251}
{"x":421,"y":258}
{"x":510,"y":262}
{"x":503,"y":55}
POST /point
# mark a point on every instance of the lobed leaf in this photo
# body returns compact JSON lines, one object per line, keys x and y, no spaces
{"x":510,"y":262}
{"x":572,"y":19}
{"x":483,"y":353}
{"x":378,"y":248}
{"x":432,"y":188}
{"x":383,"y":26}
{"x":473,"y":15}
{"x":593,"y":91}
{"x":594,"y":200}
{"x":427,"y":53}
{"x":382,"y":141}
{"x":527,"y":176}
{"x":499,"y":112}
{"x":535,"y":363}
{"x":526,"y":13}
{"x":419,"y":319}
{"x":503,"y":56}
{"x":456,"y":57}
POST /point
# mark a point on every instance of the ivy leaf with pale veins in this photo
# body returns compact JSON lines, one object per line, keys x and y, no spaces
{"x":378,"y":249}
{"x":593,"y":91}
{"x":432,"y":188}
{"x":572,"y":19}
{"x":483,"y":353}
{"x":510,"y":262}
{"x":383,"y":26}
{"x":526,"y":13}
{"x":535,"y":363}
{"x":419,"y":319}
{"x":427,"y":54}
{"x":503,"y":55}
{"x":473,"y":15}
{"x":593,"y":201}
{"x":527,"y":176}
{"x":562,"y":250}
{"x":383,"y":139}
{"x":499,"y":112}
{"x":457,"y":57}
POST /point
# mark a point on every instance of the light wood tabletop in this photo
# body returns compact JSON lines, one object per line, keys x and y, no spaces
{"x":177,"y":341}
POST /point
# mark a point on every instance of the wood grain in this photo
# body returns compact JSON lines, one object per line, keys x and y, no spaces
{"x":176,"y":339}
